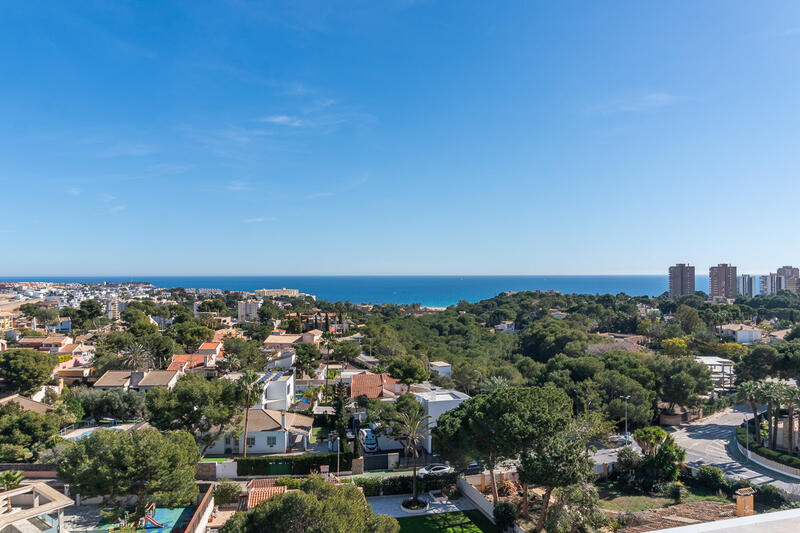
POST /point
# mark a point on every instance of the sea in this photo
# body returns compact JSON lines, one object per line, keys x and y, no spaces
{"x":429,"y":291}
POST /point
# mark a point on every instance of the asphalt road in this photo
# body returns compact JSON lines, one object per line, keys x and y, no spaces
{"x":707,"y":442}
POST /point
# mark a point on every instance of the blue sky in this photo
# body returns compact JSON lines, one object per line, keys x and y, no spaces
{"x":398,"y":137}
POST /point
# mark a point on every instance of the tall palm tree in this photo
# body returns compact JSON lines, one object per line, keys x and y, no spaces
{"x":750,"y":392}
{"x":792,"y":400}
{"x":250,"y":390}
{"x":137,"y":356}
{"x":413,"y":427}
{"x":772,"y":395}
{"x":495,"y":383}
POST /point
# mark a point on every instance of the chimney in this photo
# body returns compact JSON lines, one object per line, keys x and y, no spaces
{"x":283,"y":419}
{"x":136,"y":377}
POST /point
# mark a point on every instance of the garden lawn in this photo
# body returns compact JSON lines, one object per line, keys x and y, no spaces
{"x":318,"y":434}
{"x":460,"y":522}
{"x":616,"y":500}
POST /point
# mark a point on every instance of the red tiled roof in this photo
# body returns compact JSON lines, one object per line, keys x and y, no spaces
{"x":259,"y":495}
{"x":372,"y":385}
{"x":210,"y":346}
{"x":262,"y":483}
{"x":192,"y":360}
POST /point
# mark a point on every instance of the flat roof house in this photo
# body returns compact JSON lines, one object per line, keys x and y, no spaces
{"x":742,"y":333}
{"x":436,"y":401}
{"x":130,"y":380}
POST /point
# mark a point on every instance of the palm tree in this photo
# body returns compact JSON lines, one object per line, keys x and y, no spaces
{"x":413,"y":427}
{"x":792,"y":400}
{"x":251,"y":391}
{"x":495,"y":383}
{"x":11,"y":479}
{"x":750,"y":392}
{"x":772,"y":395}
{"x":137,"y":356}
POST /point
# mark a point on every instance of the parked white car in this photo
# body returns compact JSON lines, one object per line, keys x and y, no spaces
{"x":434,"y":468}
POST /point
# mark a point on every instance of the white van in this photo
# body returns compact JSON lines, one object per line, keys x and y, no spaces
{"x":368,"y":440}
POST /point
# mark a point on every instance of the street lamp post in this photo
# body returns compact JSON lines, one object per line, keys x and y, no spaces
{"x":626,"y":398}
{"x":338,"y":449}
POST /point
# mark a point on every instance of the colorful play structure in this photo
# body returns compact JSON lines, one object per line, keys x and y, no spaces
{"x":149,"y":517}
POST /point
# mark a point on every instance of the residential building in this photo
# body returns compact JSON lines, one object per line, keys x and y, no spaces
{"x":137,"y":380}
{"x":771,"y":284}
{"x":201,"y":363}
{"x":441,"y":367}
{"x":746,"y":286}
{"x":268,"y":432}
{"x":282,"y":360}
{"x":435,"y":402}
{"x":375,"y":386}
{"x":681,"y":280}
{"x":721,"y":371}
{"x":507,"y":326}
{"x":31,"y":507}
{"x":211,"y":348}
{"x":722,"y":281}
{"x":26,"y":404}
{"x":282,"y":342}
{"x":6,"y":320}
{"x":248,"y":310}
{"x":277,"y":293}
{"x":741,"y":333}
{"x":791,"y":278}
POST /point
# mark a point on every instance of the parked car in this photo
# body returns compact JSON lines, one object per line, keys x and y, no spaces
{"x":434,"y":468}
{"x":368,"y":440}
{"x":471,"y":469}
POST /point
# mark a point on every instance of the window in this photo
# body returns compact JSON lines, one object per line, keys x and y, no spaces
{"x":251,"y":441}
{"x":227,"y":439}
{"x":272,"y":441}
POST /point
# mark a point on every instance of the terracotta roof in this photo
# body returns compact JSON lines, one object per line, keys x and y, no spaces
{"x":261,"y":483}
{"x":191,"y":360}
{"x":157,"y":378}
{"x":257,"y":496}
{"x":269,"y":420}
{"x":283,"y":339}
{"x":372,"y":385}
{"x":114,"y":378}
{"x":26,"y":404}
{"x":210,"y":346}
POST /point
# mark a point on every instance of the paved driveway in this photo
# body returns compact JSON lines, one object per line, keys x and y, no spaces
{"x":709,"y":442}
{"x":391,"y":505}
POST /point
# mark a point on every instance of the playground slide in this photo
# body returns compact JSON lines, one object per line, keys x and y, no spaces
{"x":152,"y":521}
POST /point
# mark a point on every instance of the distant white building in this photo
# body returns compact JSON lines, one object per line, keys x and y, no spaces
{"x":741,"y":333}
{"x":506,"y":326}
{"x":248,"y":310}
{"x":277,"y":390}
{"x":721,"y":371}
{"x":441,"y":367}
{"x":268,"y":431}
{"x":436,"y":401}
{"x":746,"y":285}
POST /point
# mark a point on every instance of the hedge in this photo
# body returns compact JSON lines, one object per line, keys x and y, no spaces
{"x":375,"y":486}
{"x":773,"y":455}
{"x":298,"y":464}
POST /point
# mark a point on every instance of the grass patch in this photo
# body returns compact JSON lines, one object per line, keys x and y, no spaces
{"x":460,"y":522}
{"x":612,"y":498}
{"x":318,"y":434}
{"x":213,"y":459}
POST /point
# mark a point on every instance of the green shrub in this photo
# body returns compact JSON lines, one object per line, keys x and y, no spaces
{"x":437,"y":481}
{"x":289,"y":482}
{"x":226,"y":492}
{"x":298,"y":464}
{"x":505,"y":515}
{"x":763,"y":451}
{"x":370,"y":485}
{"x":712,"y":477}
{"x":397,"y":485}
{"x":771,"y":496}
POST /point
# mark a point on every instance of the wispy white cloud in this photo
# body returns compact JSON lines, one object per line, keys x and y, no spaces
{"x":318,"y":195}
{"x":117,"y":208}
{"x":74,"y":191}
{"x":355,"y":183}
{"x":650,"y":101}
{"x":108,"y":198}
{"x":239,"y":186}
{"x":283,"y":120}
{"x":126,"y":149}
{"x":318,"y":104}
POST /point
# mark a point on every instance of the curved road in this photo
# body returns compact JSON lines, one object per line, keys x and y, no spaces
{"x":707,"y":443}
